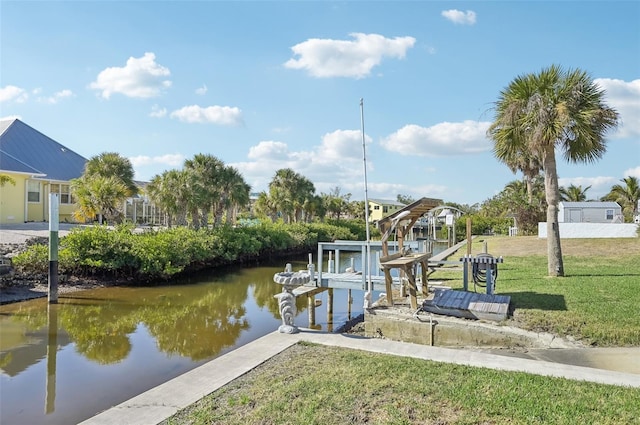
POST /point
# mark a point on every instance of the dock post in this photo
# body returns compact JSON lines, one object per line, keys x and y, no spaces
{"x":53,"y":247}
{"x":465,"y":272}
{"x":489,"y":279}
{"x":330,"y":265}
{"x":330,"y":310}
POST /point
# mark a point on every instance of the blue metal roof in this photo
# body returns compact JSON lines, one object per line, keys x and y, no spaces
{"x":25,"y":150}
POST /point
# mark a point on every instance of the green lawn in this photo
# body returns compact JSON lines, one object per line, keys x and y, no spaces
{"x":597,"y":302}
{"x":309,"y":384}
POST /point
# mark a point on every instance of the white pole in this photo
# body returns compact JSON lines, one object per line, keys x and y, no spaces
{"x":367,"y":265}
{"x":54,"y":218}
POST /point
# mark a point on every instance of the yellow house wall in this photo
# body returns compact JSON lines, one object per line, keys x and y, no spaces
{"x":377,"y":214}
{"x":12,"y":203}
{"x":12,"y":200}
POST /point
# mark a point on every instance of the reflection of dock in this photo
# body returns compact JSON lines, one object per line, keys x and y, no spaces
{"x":352,"y":281}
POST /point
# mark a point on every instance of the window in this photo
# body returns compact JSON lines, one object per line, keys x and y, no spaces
{"x":609,"y":214}
{"x":65,"y":194}
{"x":376,"y":207}
{"x":385,"y":209}
{"x":33,"y":191}
{"x":63,"y":191}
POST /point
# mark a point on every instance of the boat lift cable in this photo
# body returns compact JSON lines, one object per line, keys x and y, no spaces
{"x":479,"y":271}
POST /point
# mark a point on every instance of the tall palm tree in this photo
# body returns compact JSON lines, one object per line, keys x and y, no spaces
{"x":627,"y":196}
{"x":98,"y":195}
{"x":574,"y":193}
{"x":169,"y":191}
{"x":115,"y":173}
{"x":553,"y":109}
{"x":266,"y":207}
{"x":111,"y":164}
{"x":206,"y":180}
{"x":234,"y":193}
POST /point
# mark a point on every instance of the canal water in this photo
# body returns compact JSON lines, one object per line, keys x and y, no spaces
{"x":61,"y":364}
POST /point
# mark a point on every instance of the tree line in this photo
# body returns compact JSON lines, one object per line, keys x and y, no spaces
{"x":536,"y":115}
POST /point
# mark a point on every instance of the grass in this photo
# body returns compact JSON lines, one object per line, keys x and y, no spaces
{"x":310,"y":384}
{"x":597,"y":301}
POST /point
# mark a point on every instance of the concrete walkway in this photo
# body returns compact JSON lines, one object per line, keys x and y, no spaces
{"x":166,"y":399}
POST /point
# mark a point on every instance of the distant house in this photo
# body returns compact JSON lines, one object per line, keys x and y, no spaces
{"x":39,"y":166}
{"x":380,"y":208}
{"x":590,"y":212}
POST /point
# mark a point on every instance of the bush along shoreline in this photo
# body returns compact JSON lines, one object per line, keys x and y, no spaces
{"x":159,"y":255}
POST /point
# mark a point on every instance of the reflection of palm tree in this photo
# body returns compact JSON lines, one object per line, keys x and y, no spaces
{"x":100,"y":331}
{"x":200,"y":326}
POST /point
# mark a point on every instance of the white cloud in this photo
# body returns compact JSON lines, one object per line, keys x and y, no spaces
{"x":347,"y":58}
{"x":174,"y":159}
{"x":625,"y":98}
{"x":202,"y":90}
{"x":222,"y":115}
{"x":338,"y":158}
{"x":633,"y":172}
{"x":269,"y":150}
{"x":467,"y":137}
{"x":460,"y":17}
{"x":56,"y":97}
{"x":140,"y":77}
{"x":158,"y":112}
{"x":342,"y":145}
{"x":13,"y":93}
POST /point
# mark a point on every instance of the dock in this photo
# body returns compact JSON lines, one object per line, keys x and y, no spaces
{"x":468,"y":305}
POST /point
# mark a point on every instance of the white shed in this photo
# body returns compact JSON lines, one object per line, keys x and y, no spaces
{"x":589,"y":212}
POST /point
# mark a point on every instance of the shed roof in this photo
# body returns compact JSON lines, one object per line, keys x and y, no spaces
{"x":594,"y":204}
{"x":25,"y":150}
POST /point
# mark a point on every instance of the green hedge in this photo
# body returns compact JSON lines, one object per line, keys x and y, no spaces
{"x":163,"y":253}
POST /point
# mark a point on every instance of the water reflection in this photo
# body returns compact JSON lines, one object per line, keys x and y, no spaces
{"x":97,"y":348}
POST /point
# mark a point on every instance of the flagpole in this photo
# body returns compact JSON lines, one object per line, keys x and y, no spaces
{"x":366,"y":261}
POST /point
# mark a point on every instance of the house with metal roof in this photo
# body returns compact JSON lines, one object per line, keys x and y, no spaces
{"x":37,"y":166}
{"x":589,"y":212}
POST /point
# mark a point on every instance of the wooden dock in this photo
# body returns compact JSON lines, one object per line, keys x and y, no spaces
{"x":470,"y":305}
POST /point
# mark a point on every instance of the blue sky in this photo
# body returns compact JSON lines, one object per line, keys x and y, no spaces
{"x":268,"y":85}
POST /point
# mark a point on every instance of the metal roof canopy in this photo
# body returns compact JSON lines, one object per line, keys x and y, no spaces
{"x":411,"y":213}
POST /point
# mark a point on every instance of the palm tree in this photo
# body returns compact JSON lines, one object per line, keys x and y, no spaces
{"x":539,"y":113}
{"x":265,"y":207}
{"x":169,"y":192}
{"x":235,"y":193}
{"x":290,"y":191}
{"x":574,"y":193}
{"x":98,"y":195}
{"x":111,"y":164}
{"x":627,"y":196}
{"x":116,"y":174}
{"x":204,"y":170}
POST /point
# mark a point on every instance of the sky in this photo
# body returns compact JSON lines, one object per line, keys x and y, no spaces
{"x":268,"y":85}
